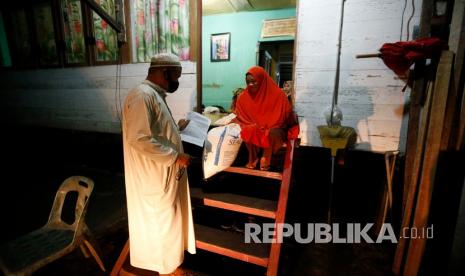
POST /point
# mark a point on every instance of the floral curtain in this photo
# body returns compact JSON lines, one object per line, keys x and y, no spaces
{"x":160,"y":26}
{"x":105,"y":36}
{"x":74,"y":37}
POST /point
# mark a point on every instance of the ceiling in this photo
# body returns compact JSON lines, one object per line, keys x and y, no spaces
{"x":229,"y":6}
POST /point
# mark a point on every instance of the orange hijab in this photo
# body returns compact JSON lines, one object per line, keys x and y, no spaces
{"x":258,"y":113}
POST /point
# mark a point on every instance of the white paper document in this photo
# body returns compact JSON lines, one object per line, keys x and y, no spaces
{"x":196,"y":131}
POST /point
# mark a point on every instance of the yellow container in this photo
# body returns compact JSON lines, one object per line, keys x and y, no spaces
{"x":337,"y":137}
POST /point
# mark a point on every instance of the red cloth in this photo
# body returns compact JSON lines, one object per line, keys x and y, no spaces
{"x":400,"y":56}
{"x":268,"y":108}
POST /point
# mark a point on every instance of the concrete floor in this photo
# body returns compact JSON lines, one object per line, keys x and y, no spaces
{"x":39,"y":164}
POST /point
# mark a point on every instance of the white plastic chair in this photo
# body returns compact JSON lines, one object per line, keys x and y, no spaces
{"x":56,"y":238}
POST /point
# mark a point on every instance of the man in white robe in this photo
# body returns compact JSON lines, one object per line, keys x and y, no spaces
{"x":157,"y":191}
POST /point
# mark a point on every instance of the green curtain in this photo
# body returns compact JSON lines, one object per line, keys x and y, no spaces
{"x":160,"y":26}
{"x":74,"y":37}
{"x":105,"y":36}
{"x":5,"y":58}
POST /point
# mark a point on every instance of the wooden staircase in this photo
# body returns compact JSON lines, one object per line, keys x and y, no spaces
{"x":231,"y":244}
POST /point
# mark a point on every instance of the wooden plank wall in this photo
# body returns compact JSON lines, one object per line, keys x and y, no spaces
{"x":370,"y":94}
{"x":82,"y":98}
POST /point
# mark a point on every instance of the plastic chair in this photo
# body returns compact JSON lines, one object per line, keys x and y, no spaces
{"x":56,"y":238}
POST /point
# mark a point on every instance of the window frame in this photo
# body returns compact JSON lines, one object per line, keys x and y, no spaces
{"x":122,"y":57}
{"x":92,"y":44}
{"x":59,"y":11}
{"x":56,"y":32}
{"x":194,"y":43}
{"x":8,"y":22}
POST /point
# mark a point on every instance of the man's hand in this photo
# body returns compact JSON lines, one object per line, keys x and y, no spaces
{"x":182,"y":123}
{"x":183,"y":160}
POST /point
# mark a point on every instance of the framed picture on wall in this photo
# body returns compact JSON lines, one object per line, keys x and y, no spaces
{"x":220,"y":47}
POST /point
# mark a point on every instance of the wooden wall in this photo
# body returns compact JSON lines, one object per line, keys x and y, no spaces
{"x":83,"y":98}
{"x":370,"y":95}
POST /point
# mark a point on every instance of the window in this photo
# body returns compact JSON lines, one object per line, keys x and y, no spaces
{"x":73,"y":33}
{"x":160,"y":26}
{"x":22,"y":53}
{"x":55,"y":33}
{"x":106,"y":41}
{"x":45,"y":33}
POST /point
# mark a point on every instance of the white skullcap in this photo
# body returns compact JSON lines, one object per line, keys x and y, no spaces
{"x":165,"y":60}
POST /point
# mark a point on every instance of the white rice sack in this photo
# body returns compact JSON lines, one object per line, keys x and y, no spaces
{"x":221,"y":148}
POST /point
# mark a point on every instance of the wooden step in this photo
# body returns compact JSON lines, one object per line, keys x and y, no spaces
{"x":231,"y":244}
{"x":238,"y":203}
{"x":259,"y":173}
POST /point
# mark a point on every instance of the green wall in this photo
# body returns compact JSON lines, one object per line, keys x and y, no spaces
{"x":219,"y":79}
{"x":4,"y":52}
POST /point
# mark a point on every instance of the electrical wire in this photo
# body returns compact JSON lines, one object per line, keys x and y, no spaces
{"x":402,"y":20}
{"x":118,"y":106}
{"x":410,"y":19}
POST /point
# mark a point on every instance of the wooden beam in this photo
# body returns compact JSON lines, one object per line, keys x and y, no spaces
{"x":457,"y":38}
{"x":230,"y":244}
{"x":387,"y":197}
{"x":193,"y":30}
{"x":238,"y":203}
{"x":199,"y":56}
{"x":266,"y":174}
{"x":273,"y":262}
{"x":428,"y":172}
{"x":121,"y":259}
{"x":457,"y":258}
{"x":126,"y":48}
{"x":119,"y":28}
{"x":457,"y":46}
{"x":416,"y":97}
{"x":412,"y":131}
{"x":412,"y":189}
{"x":461,"y":131}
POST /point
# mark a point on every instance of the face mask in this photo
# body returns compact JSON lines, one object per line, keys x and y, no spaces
{"x":172,"y":84}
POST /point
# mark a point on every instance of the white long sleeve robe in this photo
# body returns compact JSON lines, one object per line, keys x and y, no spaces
{"x":159,"y":207}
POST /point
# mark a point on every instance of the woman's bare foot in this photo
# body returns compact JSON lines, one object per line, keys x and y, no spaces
{"x":264,"y":164}
{"x":252,"y":165}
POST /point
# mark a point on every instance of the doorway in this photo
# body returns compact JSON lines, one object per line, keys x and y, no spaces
{"x":244,"y":26}
{"x":277,"y":59}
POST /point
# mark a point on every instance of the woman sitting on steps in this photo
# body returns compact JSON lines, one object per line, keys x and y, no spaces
{"x":265,"y":116}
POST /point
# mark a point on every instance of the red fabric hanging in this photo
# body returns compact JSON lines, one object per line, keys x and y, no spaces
{"x":401,"y":55}
{"x":268,"y":108}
